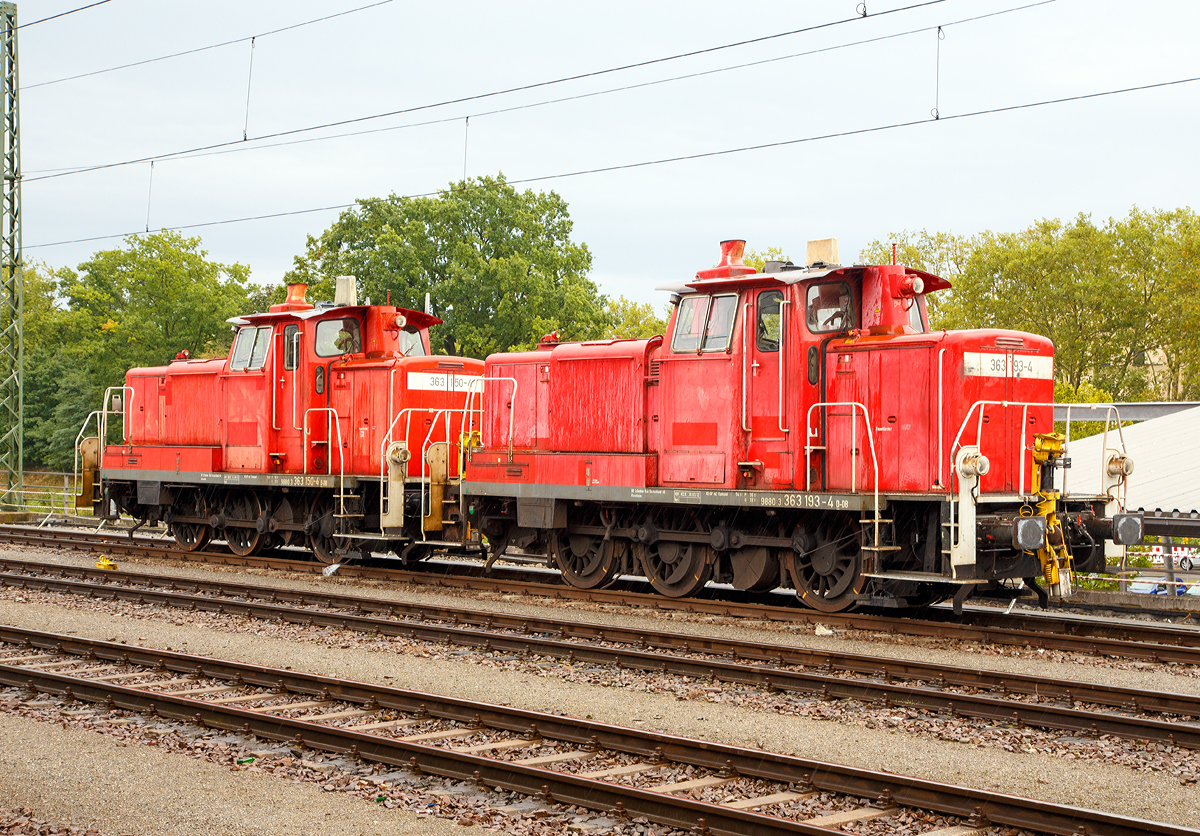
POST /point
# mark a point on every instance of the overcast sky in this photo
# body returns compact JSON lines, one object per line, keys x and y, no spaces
{"x":645,"y":225}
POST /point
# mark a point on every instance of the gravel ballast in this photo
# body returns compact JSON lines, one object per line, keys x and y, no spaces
{"x":1090,"y":784}
{"x":91,"y":780}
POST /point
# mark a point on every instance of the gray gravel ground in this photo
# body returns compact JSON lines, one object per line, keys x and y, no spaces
{"x":91,"y":780}
{"x":1089,"y":784}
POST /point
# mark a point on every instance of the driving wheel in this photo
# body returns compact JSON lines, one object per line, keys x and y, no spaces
{"x":827,"y":571}
{"x":587,"y":560}
{"x":244,"y":532}
{"x":190,"y":536}
{"x":676,"y":569}
{"x":319,"y":527}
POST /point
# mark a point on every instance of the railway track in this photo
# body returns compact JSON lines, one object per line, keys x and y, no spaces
{"x":1022,"y":699}
{"x":1122,"y":638}
{"x":614,"y":770}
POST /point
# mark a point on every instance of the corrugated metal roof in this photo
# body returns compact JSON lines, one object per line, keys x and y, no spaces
{"x":1166,"y":458}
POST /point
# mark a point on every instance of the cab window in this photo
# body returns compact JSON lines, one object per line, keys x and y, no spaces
{"x":767,"y":331}
{"x":250,"y":348}
{"x":336,"y":337}
{"x":829,"y":308}
{"x":410,"y":342}
{"x":704,"y":323}
{"x":290,"y":346}
{"x":915,"y":318}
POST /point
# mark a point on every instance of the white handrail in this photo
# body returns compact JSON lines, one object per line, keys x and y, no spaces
{"x":79,"y":438}
{"x":745,"y":359}
{"x":783,"y":303}
{"x":105,"y":412}
{"x":808,"y":448}
{"x":389,"y":438}
{"x":1110,"y":411}
{"x":295,"y":377}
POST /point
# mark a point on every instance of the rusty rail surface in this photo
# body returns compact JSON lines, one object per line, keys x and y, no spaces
{"x":928,"y":686}
{"x":23,"y":664}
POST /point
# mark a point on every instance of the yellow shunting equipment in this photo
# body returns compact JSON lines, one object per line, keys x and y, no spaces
{"x":107,"y":563}
{"x":1054,"y":554}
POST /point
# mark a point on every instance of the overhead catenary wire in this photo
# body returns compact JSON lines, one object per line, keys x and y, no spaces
{"x":200,"y":48}
{"x":64,"y":14}
{"x":259,"y":146}
{"x":930,"y":120}
{"x":492,"y":94}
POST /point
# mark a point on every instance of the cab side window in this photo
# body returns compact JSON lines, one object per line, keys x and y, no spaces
{"x":290,"y":346}
{"x":250,"y":348}
{"x":336,"y":337}
{"x":704,"y":323}
{"x":830,"y":308}
{"x":767,"y":330}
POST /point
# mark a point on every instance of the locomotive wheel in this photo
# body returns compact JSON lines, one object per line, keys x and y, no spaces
{"x":755,"y":569}
{"x":827,"y":575}
{"x":675,"y":569}
{"x":321,"y":524}
{"x":244,"y":507}
{"x":284,"y":513}
{"x":190,"y":536}
{"x":587,"y":561}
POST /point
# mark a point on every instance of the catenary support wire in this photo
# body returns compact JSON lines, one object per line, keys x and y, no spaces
{"x":249,"y":80}
{"x":149,"y":194}
{"x":937,"y":76}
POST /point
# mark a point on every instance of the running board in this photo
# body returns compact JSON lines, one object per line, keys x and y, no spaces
{"x":923,"y":577}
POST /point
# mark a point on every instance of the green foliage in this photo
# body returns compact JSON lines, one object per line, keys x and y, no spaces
{"x":1109,"y":296}
{"x":498,"y":264}
{"x":634,"y":320}
{"x":134,"y":306}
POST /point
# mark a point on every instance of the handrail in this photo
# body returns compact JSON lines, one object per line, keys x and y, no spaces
{"x":1110,"y":410}
{"x":105,"y":412}
{"x":808,"y":448}
{"x":745,"y":358}
{"x":78,"y":439}
{"x":941,"y":412}
{"x":783,"y":303}
{"x":470,"y":400}
{"x":295,"y":377}
{"x":275,"y":383}
{"x":389,"y":438}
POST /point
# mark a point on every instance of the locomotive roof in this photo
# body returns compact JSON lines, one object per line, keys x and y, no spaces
{"x":790,"y":276}
{"x":417,"y":319}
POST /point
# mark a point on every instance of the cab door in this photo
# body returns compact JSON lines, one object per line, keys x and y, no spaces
{"x":288,"y":407}
{"x":766,"y":390}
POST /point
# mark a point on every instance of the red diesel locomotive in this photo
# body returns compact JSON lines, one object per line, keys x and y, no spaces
{"x":798,"y":427}
{"x":801,"y":427}
{"x":329,"y":426}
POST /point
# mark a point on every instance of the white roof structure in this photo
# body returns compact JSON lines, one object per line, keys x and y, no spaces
{"x":1166,"y":458}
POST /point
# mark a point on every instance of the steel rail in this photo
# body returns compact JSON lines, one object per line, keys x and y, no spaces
{"x":946,"y":799}
{"x":931,"y":694}
{"x":1119,"y":638}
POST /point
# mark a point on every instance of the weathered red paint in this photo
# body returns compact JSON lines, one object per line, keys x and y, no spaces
{"x":646,"y":413}
{"x":206,"y":416}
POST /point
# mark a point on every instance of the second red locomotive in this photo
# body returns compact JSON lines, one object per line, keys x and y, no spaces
{"x":801,"y":426}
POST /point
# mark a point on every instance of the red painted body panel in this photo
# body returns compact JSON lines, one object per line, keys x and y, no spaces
{"x":720,"y":418}
{"x":202,"y":415}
